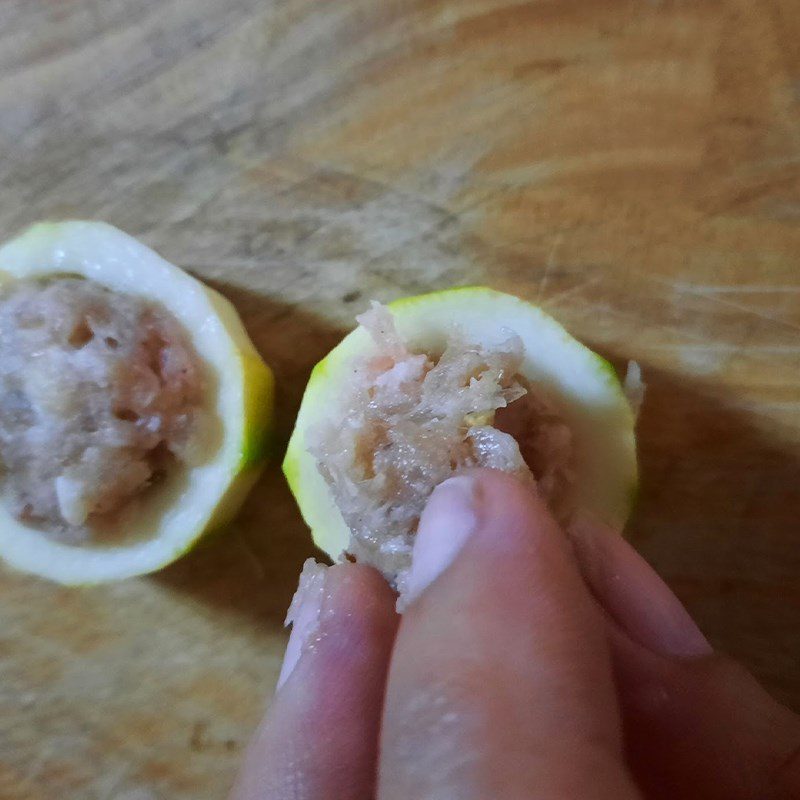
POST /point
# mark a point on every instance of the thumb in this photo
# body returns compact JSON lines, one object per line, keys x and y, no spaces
{"x":500,"y":683}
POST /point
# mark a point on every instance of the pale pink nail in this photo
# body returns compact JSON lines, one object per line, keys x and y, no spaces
{"x":446,"y":523}
{"x":304,"y":615}
{"x":632,"y":592}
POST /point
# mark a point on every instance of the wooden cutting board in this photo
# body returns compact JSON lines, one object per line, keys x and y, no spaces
{"x":632,"y":165}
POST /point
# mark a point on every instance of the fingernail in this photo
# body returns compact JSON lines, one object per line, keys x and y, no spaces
{"x":632,"y":592}
{"x":303,"y":615}
{"x":448,"y":519}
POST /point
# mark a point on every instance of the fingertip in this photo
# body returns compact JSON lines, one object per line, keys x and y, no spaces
{"x":351,"y":604}
{"x":502,"y":513}
{"x":513,"y":511}
{"x":363,"y":603}
{"x":359,"y":588}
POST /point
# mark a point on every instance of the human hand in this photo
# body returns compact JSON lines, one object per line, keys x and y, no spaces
{"x":526,"y":666}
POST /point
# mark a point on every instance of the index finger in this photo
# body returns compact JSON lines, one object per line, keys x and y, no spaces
{"x":500,"y":683}
{"x":318,"y":740}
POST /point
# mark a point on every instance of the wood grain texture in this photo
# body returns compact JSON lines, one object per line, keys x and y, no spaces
{"x":634,"y":166}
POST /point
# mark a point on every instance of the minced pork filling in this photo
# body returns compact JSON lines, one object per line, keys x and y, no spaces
{"x":411,"y":420}
{"x":100,"y":394}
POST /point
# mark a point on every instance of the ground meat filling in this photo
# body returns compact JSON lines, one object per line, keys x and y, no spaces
{"x":100,"y":394}
{"x":413,"y":420}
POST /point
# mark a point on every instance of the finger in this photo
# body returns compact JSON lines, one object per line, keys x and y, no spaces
{"x":319,"y":737}
{"x":704,"y":728}
{"x":500,"y":683}
{"x":697,"y":725}
{"x":631,"y":591}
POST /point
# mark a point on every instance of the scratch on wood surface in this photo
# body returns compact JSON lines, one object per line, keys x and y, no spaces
{"x":691,"y":288}
{"x":715,"y":294}
{"x":608,"y":311}
{"x":558,"y":240}
{"x":250,"y":556}
{"x":782,"y":323}
{"x":561,"y":296}
{"x":727,"y":347}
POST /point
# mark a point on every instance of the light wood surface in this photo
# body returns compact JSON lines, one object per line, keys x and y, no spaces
{"x":634,"y":166}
